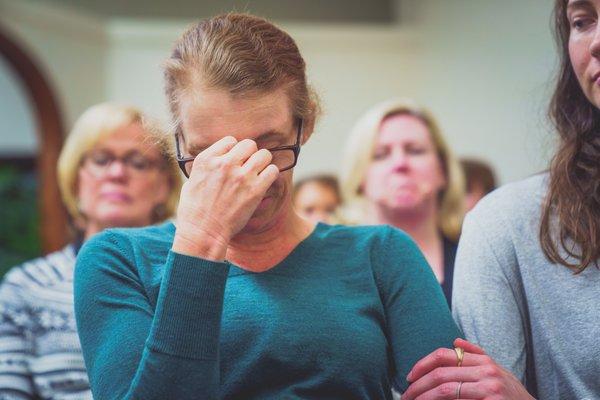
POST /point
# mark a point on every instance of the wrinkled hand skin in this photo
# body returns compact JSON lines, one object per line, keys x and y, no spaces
{"x":437,"y":376}
{"x":227,"y":182}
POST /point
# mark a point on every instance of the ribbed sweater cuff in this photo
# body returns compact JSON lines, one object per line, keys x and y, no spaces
{"x":187,"y":319}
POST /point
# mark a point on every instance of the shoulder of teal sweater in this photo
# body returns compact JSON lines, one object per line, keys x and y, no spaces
{"x":378,"y":233}
{"x":153,"y":235}
{"x":396,"y":257}
{"x":134,"y":239}
{"x":385,"y":236}
{"x":104,"y":250}
{"x":382,"y":240}
{"x":128,"y":248}
{"x":388,"y":246}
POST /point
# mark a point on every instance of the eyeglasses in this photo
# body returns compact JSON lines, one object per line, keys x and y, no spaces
{"x":284,"y":157}
{"x":98,"y":162}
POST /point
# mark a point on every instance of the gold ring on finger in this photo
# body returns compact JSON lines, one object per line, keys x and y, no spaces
{"x":460,"y":353}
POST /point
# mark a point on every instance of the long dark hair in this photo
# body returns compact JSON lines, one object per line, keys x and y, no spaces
{"x":571,"y":213}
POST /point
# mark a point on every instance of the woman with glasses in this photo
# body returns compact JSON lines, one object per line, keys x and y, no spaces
{"x":241,"y":298}
{"x":112,"y":172}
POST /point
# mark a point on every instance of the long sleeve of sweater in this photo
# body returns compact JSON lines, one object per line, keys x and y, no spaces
{"x":488,"y":301}
{"x":167,"y":350}
{"x":416,"y":325}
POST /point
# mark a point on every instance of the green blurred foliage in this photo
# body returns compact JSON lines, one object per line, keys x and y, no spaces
{"x":19,"y":218}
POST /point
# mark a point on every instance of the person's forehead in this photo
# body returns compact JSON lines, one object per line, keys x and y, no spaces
{"x":209,"y":115}
{"x":581,"y":3}
{"x":126,"y":139}
{"x":403,"y":127}
{"x":315,"y":189}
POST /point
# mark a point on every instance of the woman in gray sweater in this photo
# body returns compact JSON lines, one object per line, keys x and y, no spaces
{"x":527,"y":282}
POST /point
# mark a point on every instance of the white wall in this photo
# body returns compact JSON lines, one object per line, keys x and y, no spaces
{"x":482,"y":66}
{"x":69,"y":47}
{"x":17,"y":132}
{"x":485,"y":70}
{"x":350,"y":66}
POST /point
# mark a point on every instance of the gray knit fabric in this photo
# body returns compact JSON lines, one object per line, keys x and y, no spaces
{"x":537,"y":319}
{"x":40,"y":354}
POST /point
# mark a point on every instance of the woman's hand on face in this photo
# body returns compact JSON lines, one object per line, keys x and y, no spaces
{"x":437,"y":376}
{"x":227,"y":182}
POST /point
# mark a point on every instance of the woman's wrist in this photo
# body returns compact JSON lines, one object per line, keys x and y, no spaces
{"x":203,"y":245}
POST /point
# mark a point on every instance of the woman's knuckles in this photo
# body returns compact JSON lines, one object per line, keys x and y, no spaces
{"x":446,"y":390}
{"x":487,"y":360}
{"x":495,"y":388}
{"x":238,"y":178}
{"x":439,"y":356}
{"x":438,"y":376}
{"x":491,"y":371}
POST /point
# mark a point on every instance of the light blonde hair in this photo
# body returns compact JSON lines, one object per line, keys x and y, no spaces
{"x":359,"y":153}
{"x":242,"y":54}
{"x":97,"y":123}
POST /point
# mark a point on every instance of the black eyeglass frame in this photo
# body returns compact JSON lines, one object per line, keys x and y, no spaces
{"x":152,"y":163}
{"x":182,"y":161}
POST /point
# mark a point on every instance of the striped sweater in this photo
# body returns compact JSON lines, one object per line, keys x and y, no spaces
{"x":40,"y":354}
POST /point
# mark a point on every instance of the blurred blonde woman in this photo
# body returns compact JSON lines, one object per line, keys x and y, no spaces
{"x":399,"y":171}
{"x":112,"y":172}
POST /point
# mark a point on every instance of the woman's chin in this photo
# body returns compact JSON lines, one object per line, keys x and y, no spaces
{"x":119,"y":219}
{"x":265,"y":216}
{"x":404,"y":203}
{"x":260,"y":221}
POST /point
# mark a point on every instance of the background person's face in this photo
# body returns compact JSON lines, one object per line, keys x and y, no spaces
{"x":209,"y":115}
{"x":473,"y":197}
{"x":316,"y":202}
{"x":119,"y":195}
{"x":405,"y":173}
{"x":584,"y":46}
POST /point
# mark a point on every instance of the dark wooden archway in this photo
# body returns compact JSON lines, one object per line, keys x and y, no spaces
{"x":49,"y":126}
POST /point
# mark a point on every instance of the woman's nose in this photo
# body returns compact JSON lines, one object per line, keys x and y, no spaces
{"x":400,"y":161}
{"x":117,"y":169}
{"x":595,"y":43}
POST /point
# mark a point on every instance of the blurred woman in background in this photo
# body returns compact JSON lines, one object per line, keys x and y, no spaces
{"x":317,"y":198}
{"x":480,"y":180}
{"x":112,"y":172}
{"x":399,"y":171}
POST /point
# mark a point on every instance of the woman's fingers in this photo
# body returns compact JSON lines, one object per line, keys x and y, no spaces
{"x":441,"y":358}
{"x":450,"y":390}
{"x":439,"y":378}
{"x":220,"y":147}
{"x":257,"y":162}
{"x":241,"y":152}
{"x":268,"y":176}
{"x":468,"y":346}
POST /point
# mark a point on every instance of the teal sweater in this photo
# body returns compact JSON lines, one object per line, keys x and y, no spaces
{"x":344,"y":316}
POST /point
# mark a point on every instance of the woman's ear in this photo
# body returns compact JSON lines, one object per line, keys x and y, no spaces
{"x":308,"y":127}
